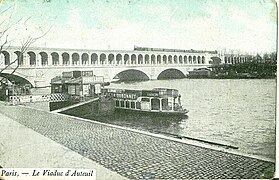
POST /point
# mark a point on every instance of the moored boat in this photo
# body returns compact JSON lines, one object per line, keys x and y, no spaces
{"x":158,"y":101}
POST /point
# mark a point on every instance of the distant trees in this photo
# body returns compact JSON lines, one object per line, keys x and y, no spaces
{"x":256,"y":66}
{"x":273,"y":57}
{"x":257,"y":58}
{"x":267,"y":57}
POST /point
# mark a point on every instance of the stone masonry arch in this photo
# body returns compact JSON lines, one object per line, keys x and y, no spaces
{"x":18,"y":79}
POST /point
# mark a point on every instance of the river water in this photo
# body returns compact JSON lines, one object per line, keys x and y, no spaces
{"x":229,"y":111}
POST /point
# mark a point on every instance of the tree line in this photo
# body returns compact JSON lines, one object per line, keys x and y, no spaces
{"x":256,"y":67}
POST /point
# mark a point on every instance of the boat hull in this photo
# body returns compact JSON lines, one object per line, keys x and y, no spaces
{"x":152,"y":113}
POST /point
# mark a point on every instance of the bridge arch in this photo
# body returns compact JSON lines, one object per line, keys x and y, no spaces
{"x":199,"y":60}
{"x":32,"y":58}
{"x":126,"y":59}
{"x":165,"y":59}
{"x":94,"y":59}
{"x":84,"y":59}
{"x":170,"y":59}
{"x":171,"y":74}
{"x":133,"y":59}
{"x":55,"y":58}
{"x":146,"y":59}
{"x":7,"y":59}
{"x":103,"y":58}
{"x":66,"y":58}
{"x":140,"y":59}
{"x":118,"y":59}
{"x":180,"y":59}
{"x":159,"y":59}
{"x":175,"y":59}
{"x":44,"y":58}
{"x":185,"y":60}
{"x":75,"y":59}
{"x":203,"y":60}
{"x":132,"y":75}
{"x":190,"y":59}
{"x":18,"y":79}
{"x":111,"y":58}
{"x":194,"y":60}
{"x":153,"y":59}
{"x":19,"y":57}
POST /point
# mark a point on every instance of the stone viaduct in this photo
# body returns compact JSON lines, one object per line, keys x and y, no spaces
{"x":39,"y":65}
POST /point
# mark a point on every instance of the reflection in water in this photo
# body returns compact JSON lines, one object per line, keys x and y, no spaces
{"x":141,"y":121}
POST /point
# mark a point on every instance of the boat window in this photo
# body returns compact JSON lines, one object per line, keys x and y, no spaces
{"x":145,"y":99}
{"x":164,"y":104}
{"x":133,"y":105}
{"x":117,"y":103}
{"x":155,"y":104}
{"x":138,"y":105}
{"x":127,"y":104}
{"x":122,"y":103}
{"x":176,"y":107}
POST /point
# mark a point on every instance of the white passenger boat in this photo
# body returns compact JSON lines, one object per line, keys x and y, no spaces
{"x":159,"y":101}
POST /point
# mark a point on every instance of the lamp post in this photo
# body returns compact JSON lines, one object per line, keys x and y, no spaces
{"x":13,"y":92}
{"x":13,"y":88}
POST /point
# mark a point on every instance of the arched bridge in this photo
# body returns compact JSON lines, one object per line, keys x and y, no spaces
{"x":39,"y":65}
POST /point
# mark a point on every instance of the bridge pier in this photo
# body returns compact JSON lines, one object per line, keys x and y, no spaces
{"x":153,"y":77}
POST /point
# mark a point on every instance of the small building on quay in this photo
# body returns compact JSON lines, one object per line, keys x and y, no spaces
{"x":78,"y":84}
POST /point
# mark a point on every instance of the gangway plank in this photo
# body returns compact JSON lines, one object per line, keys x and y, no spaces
{"x":75,"y":105}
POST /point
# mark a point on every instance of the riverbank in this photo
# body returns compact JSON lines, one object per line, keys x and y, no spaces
{"x":133,"y":154}
{"x":247,"y":70}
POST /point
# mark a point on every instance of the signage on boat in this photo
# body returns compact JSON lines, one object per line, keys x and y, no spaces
{"x":131,"y":94}
{"x":150,"y":93}
{"x":86,"y":73}
{"x":125,"y":96}
{"x":87,"y":80}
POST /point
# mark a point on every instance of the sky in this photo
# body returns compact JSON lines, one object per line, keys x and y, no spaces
{"x":247,"y":26}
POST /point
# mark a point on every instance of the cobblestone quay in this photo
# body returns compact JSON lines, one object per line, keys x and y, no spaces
{"x":135,"y":155}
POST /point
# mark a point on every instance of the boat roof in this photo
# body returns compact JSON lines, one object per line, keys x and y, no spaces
{"x":136,"y":90}
{"x":164,"y":89}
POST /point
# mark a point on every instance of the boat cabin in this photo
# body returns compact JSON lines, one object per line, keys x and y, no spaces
{"x":158,"y":99}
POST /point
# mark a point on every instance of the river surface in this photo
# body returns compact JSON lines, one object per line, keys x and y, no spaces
{"x":229,"y":111}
